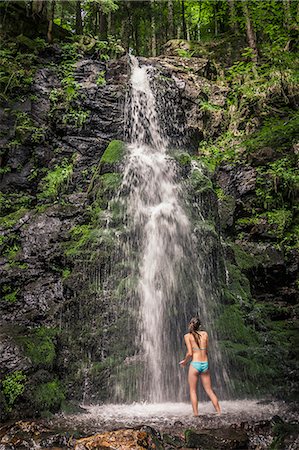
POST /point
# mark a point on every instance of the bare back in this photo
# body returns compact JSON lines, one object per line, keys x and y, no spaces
{"x":199,"y":353}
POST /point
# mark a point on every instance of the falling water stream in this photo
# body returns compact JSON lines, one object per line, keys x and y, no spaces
{"x":170,"y":256}
{"x":171,"y":273}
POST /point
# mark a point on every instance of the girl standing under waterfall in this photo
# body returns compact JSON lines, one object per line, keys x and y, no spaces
{"x":197,"y":349}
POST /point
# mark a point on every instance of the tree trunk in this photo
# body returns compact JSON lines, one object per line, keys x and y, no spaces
{"x":79,"y":24}
{"x":170,"y":19}
{"x":51,"y":18}
{"x":199,"y":23}
{"x":103,"y":25}
{"x":251,"y":36}
{"x":109,"y":23}
{"x":153,"y":29}
{"x":96,"y":18}
{"x":215,"y":20}
{"x":39,"y":8}
{"x":232,"y":16}
{"x":287,"y":14}
{"x":178,"y":32}
{"x":184,"y":21}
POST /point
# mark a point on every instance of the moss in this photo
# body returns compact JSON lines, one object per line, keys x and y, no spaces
{"x":238,"y":284}
{"x":276,"y":133}
{"x":11,"y":297}
{"x":183,"y":158}
{"x":207,"y":106}
{"x":76,"y":117}
{"x":80,"y":236}
{"x":281,"y":219}
{"x":13,"y":218}
{"x":49,"y":396}
{"x":200,"y":182}
{"x":110,"y":182}
{"x":13,"y":386}
{"x":244,"y":259}
{"x":56,"y":181}
{"x":66,"y":273}
{"x":113,"y":153}
{"x":232,"y":327}
{"x":39,"y":346}
{"x":107,"y":187}
{"x":101,"y":81}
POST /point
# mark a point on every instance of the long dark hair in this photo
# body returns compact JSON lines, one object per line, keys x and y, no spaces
{"x":193,"y":327}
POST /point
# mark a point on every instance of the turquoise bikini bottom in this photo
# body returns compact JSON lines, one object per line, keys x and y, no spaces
{"x":200,"y":366}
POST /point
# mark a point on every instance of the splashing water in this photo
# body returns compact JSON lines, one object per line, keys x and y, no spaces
{"x":169,"y":286}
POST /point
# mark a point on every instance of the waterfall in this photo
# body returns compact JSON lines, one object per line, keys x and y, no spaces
{"x":170,"y":272}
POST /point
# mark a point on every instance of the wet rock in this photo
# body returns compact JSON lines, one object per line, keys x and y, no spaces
{"x":44,"y":82}
{"x":217,"y":439}
{"x":136,"y":439}
{"x":263,"y":156}
{"x":42,"y":297}
{"x":236,"y":181}
{"x":87,"y":72}
{"x":11,"y":358}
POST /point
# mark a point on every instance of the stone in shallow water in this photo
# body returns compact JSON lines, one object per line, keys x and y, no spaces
{"x":221,"y":439}
{"x":123,"y":439}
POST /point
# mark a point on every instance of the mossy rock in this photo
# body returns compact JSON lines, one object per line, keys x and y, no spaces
{"x":200,"y":182}
{"x":232,"y":327}
{"x":112,"y":156}
{"x":49,"y":396}
{"x":39,"y":346}
{"x":238,"y":284}
{"x":183,"y":158}
{"x":244,"y":260}
{"x":107,"y":187}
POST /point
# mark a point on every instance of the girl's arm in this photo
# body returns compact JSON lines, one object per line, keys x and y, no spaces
{"x":189,"y":351}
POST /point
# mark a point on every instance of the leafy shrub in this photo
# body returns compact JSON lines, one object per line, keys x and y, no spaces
{"x":56,"y":181}
{"x":48,"y":396}
{"x":39,"y":346}
{"x":13,"y":386}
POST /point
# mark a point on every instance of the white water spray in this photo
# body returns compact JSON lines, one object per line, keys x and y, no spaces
{"x":169,"y":288}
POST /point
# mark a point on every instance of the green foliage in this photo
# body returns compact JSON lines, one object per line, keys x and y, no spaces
{"x":275,"y":133}
{"x":199,"y":181}
{"x":76,"y":117}
{"x":281,"y":219}
{"x":16,"y":72}
{"x":70,"y":88}
{"x":39,"y":346}
{"x":80,"y":237}
{"x":25,"y":128}
{"x":5,"y":169}
{"x":12,"y":387}
{"x":184,"y":53}
{"x":207,"y":106}
{"x":66,"y":273}
{"x":10,"y":295}
{"x":244,"y":259}
{"x":101,"y":81}
{"x":48,"y":396}
{"x":232,"y":327}
{"x":223,"y":149}
{"x":56,"y":181}
{"x":12,"y":219}
{"x":183,"y":158}
{"x":113,"y":153}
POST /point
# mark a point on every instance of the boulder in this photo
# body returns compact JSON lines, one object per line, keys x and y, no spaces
{"x":222,"y":439}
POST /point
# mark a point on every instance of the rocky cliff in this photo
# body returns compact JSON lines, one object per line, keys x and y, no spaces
{"x":61,"y":164}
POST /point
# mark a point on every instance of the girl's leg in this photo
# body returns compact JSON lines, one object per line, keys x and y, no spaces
{"x":193,"y":380}
{"x":206,"y":383}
